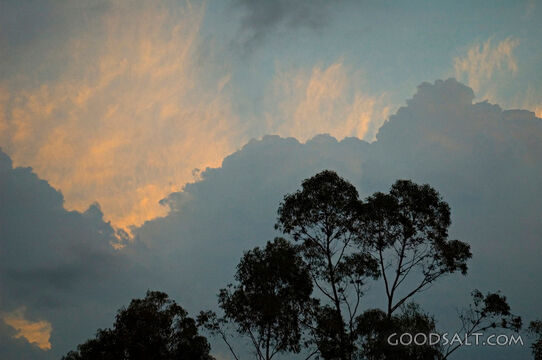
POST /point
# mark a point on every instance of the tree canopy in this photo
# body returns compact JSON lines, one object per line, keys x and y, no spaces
{"x":151,"y":328}
{"x":303,"y":293}
{"x":406,"y":231}
{"x":271,"y":299}
{"x":324,"y":217}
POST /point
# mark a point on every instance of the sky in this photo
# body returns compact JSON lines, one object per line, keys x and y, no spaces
{"x":148,"y":145}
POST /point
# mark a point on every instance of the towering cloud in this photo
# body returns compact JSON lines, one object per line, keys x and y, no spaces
{"x":484,"y":161}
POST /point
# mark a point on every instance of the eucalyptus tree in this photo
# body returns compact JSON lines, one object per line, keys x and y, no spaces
{"x":324,"y":219}
{"x":407,"y":233}
{"x":269,"y":302}
{"x":490,"y":311}
{"x":151,"y":328}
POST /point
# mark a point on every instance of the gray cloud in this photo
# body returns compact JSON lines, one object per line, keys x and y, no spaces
{"x":261,"y":17}
{"x":56,"y":265}
{"x":484,"y":161}
{"x":29,"y":28}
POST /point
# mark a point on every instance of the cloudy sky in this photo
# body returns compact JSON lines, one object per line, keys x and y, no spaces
{"x":146,"y":145}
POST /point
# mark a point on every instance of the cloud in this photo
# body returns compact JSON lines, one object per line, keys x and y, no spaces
{"x":130,"y":99}
{"x":60,"y":278}
{"x":531,"y":100}
{"x":330,"y":100}
{"x":491,"y":67}
{"x":262,"y":17}
{"x":35,"y":332}
{"x":135,"y":108}
{"x":483,"y":160}
{"x":484,"y":62}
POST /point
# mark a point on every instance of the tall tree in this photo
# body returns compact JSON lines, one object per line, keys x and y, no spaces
{"x":407,"y":232}
{"x":151,"y":328}
{"x":324,"y":218}
{"x":269,"y":302}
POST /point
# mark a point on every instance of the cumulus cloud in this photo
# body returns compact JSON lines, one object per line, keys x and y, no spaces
{"x":135,"y":108}
{"x":484,"y":62}
{"x":332,"y":100}
{"x":59,"y":274}
{"x":484,"y":161}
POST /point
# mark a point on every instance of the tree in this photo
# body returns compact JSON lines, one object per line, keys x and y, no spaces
{"x":407,"y":230}
{"x":339,"y":244}
{"x":151,"y":328}
{"x":381,"y":334}
{"x":271,"y":299}
{"x":486,"y":312}
{"x":535,"y":328}
{"x":324,"y":218}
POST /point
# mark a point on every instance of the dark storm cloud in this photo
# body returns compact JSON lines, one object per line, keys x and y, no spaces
{"x":261,"y":17}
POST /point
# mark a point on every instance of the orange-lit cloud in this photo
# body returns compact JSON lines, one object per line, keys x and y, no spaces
{"x":135,"y":110}
{"x":324,"y":100}
{"x":531,"y":100}
{"x":488,"y":68}
{"x":35,"y":332}
{"x":483,"y":62}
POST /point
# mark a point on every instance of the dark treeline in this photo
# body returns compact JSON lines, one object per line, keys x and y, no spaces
{"x":303,"y":292}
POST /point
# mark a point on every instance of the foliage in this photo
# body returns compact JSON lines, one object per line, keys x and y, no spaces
{"x":375,"y":328}
{"x":340,"y":244}
{"x":324,"y":218}
{"x":535,"y":328}
{"x":270,"y":300}
{"x":488,"y":311}
{"x":406,"y":230}
{"x":151,"y":328}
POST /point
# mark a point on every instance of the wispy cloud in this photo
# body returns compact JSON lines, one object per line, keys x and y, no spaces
{"x":136,"y":109}
{"x":35,"y":332}
{"x":332,"y":99}
{"x":484,"y":62}
{"x":489,"y":67}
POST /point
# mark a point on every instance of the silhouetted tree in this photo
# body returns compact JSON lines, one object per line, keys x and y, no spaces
{"x":380,"y":334}
{"x":339,"y":244}
{"x":407,"y":232}
{"x":324,"y":218}
{"x":151,"y":328}
{"x":535,"y":328}
{"x":269,"y":302}
{"x":489,"y":311}
{"x":401,"y":237}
